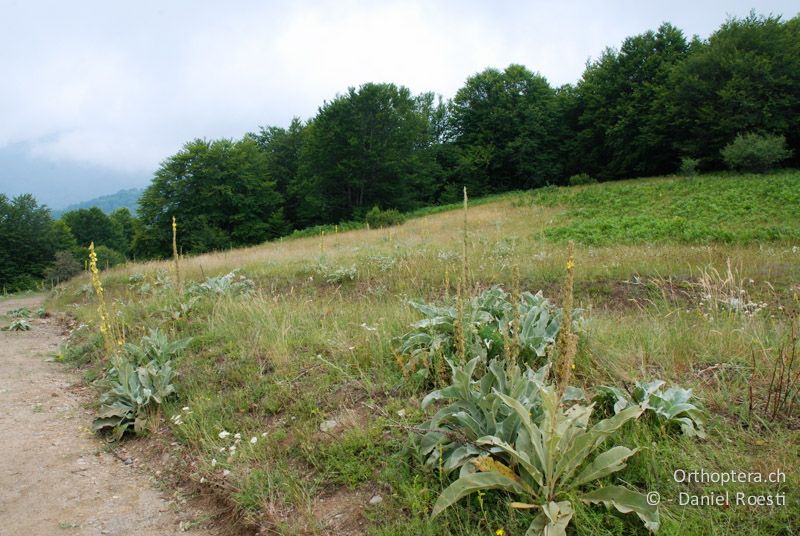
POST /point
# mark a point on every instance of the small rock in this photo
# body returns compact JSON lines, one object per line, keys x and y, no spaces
{"x":128,"y":461}
{"x":376,"y":499}
{"x":328,"y":426}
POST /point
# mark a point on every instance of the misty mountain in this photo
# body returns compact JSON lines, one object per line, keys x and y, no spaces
{"x":108,"y":203}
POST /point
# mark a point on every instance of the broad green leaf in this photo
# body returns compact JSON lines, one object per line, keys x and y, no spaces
{"x":517,"y":457}
{"x":604,"y":464}
{"x":552,"y":521}
{"x":584,"y":444}
{"x":625,"y":501}
{"x":472,"y":483}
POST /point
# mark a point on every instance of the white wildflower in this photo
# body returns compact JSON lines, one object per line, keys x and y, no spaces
{"x":213,"y":462}
{"x":253,"y":440}
{"x":224,"y":434}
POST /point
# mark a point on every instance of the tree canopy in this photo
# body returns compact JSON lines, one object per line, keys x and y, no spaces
{"x":637,"y":110}
{"x":30,"y":241}
{"x":220,"y":193}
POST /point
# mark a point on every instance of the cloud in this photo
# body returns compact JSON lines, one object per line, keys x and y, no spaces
{"x":123,"y":86}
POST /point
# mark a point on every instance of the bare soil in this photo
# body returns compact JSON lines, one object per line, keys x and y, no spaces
{"x":56,"y":477}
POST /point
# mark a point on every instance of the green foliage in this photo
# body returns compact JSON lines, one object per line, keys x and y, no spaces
{"x":580,"y":179}
{"x":489,"y":328}
{"x":107,"y":257}
{"x":706,"y":209}
{"x":29,"y":242}
{"x":755,"y":152}
{"x":124,"y":224}
{"x":623,"y":129}
{"x":20,"y":312}
{"x":688,"y":166}
{"x":377,"y":218}
{"x":506,"y":130}
{"x":64,"y":267}
{"x":93,"y":225}
{"x":336,"y":275}
{"x":220,"y":194}
{"x":229,"y":284}
{"x":474,"y":410}
{"x":552,"y":460}
{"x":20,"y":324}
{"x":134,"y":392}
{"x":744,"y":78}
{"x":671,"y":408}
{"x":155,"y":347}
{"x":282,"y":148}
{"x":139,"y":381}
{"x":366,"y":148}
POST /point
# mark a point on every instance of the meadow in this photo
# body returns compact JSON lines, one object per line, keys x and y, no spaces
{"x":293,"y":407}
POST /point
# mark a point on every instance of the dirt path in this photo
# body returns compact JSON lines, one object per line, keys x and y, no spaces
{"x":55,"y":476}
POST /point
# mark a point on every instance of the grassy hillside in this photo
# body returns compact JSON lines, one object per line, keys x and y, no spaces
{"x":657,"y":263}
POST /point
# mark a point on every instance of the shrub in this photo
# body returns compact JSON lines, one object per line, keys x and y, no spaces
{"x":64,"y":267}
{"x":755,"y":152}
{"x":688,"y":166}
{"x":581,"y":178}
{"x":377,"y":218}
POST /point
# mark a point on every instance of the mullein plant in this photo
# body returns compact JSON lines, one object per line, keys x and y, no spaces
{"x":175,"y":255}
{"x":110,"y":338}
{"x":458,"y":327}
{"x":567,"y":342}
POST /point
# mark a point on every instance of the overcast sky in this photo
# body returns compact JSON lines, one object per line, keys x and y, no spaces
{"x":95,"y":94}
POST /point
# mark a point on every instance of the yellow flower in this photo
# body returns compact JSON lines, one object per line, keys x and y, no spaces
{"x":570,"y":264}
{"x":499,"y":532}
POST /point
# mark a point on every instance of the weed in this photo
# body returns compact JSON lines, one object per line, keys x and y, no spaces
{"x":20,"y":324}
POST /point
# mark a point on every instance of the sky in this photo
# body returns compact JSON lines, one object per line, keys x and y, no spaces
{"x":94,"y":95}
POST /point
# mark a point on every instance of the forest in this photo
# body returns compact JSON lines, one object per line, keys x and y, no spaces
{"x":659,"y":103}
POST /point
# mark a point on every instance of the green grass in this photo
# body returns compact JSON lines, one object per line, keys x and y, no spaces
{"x":276,"y":364}
{"x":739,"y":209}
